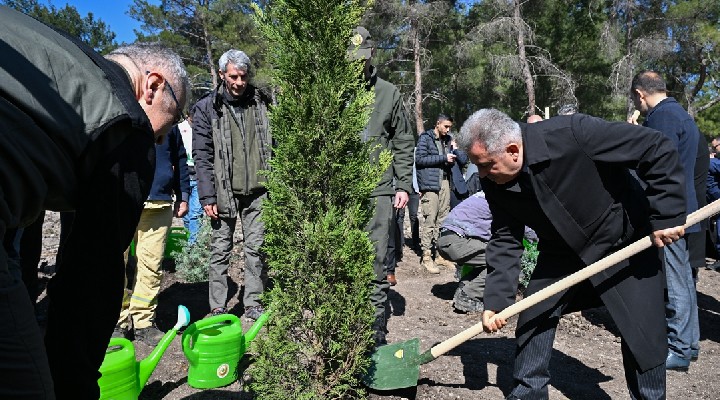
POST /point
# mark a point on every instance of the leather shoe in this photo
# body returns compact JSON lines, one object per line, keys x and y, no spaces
{"x":675,"y":363}
{"x":391,"y":279}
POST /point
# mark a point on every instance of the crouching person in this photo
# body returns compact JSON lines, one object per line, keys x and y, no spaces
{"x":463,"y":239}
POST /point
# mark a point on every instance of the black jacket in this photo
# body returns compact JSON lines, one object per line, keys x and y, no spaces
{"x":431,"y":166}
{"x":576,"y":169}
{"x":213,"y":148}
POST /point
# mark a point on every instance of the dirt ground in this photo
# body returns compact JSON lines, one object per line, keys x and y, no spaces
{"x":586,"y":361}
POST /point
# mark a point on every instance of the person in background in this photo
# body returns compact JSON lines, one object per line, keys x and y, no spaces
{"x":232,"y":144}
{"x":389,"y":127}
{"x":712,"y":193}
{"x":649,"y":95}
{"x":436,"y":161}
{"x":193,"y":219}
{"x":171,"y":178}
{"x":534,"y":118}
{"x":463,"y":239}
{"x":697,"y":240}
{"x":78,"y":133}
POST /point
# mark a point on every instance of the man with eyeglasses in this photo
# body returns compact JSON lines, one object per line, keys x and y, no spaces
{"x":231,"y":146}
{"x":78,"y":133}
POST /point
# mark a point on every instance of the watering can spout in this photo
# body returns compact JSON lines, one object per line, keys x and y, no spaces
{"x":147,"y":366}
{"x":255,"y":328}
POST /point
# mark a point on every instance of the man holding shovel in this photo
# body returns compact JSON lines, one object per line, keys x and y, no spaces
{"x":568,"y":180}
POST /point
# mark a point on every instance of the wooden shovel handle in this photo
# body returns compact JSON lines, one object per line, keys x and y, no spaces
{"x":570,"y":280}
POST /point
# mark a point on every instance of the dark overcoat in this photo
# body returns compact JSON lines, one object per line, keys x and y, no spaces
{"x":590,"y":206}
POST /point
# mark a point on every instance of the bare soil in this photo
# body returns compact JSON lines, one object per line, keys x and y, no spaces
{"x":586,"y":361}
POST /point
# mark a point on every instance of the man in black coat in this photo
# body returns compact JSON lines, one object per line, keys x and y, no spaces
{"x":567,"y":178}
{"x":78,"y":134}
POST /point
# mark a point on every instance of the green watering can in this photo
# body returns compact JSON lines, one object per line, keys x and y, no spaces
{"x":214,"y":347}
{"x":123,"y":378}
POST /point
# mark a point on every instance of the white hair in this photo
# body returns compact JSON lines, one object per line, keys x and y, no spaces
{"x":235,"y":57}
{"x":491,"y":128}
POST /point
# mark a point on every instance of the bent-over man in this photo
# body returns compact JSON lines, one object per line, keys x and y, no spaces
{"x":78,"y":133}
{"x":568,"y":179}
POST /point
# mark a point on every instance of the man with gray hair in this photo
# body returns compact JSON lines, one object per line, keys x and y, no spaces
{"x":78,"y":133}
{"x":231,"y":145}
{"x":568,"y":179}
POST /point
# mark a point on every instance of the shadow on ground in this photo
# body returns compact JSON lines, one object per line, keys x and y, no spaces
{"x":569,"y":375}
{"x":194,"y":296}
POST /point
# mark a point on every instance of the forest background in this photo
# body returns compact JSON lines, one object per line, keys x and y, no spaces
{"x":454,"y":57}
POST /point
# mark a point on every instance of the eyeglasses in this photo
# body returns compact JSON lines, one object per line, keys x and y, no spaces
{"x":178,"y":116}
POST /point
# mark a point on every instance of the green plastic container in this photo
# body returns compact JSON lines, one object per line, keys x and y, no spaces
{"x":119,"y":379}
{"x":214,"y":347}
{"x":123,"y":378}
{"x":176,"y":240}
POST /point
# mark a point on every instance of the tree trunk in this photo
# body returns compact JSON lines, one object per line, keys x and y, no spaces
{"x":204,"y":9}
{"x":629,"y":55}
{"x":419,"y":123}
{"x":525,"y":65}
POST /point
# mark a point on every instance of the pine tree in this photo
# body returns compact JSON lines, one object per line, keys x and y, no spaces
{"x":320,"y":257}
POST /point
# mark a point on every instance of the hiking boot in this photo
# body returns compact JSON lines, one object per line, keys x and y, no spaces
{"x":391,"y":279}
{"x":465,"y":304}
{"x":150,"y":335}
{"x":439,"y":260}
{"x":218,"y":311}
{"x":429,"y":264}
{"x":254,"y":312}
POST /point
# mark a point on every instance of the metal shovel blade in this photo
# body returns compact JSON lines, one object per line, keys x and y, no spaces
{"x":394,"y":366}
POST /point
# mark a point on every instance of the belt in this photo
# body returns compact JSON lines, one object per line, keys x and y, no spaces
{"x":446,"y":232}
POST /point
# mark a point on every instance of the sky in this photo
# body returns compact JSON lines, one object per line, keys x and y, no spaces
{"x":112,"y":12}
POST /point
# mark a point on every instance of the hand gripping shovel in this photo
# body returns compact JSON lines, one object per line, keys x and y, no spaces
{"x":397,"y":365}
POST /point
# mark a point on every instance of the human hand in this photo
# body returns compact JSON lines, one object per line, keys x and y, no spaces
{"x":663,"y":237}
{"x":401,"y":199}
{"x":451,"y":158}
{"x":211,"y":210}
{"x":634,"y":117}
{"x":490,"y":324}
{"x":181,"y":208}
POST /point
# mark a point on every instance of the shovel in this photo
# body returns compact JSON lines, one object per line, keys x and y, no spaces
{"x":397,"y":365}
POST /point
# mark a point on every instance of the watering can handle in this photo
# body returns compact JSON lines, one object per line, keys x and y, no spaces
{"x":570,"y":280}
{"x":204,"y":323}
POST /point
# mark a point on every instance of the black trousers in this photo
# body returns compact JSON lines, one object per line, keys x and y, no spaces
{"x":531,"y":374}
